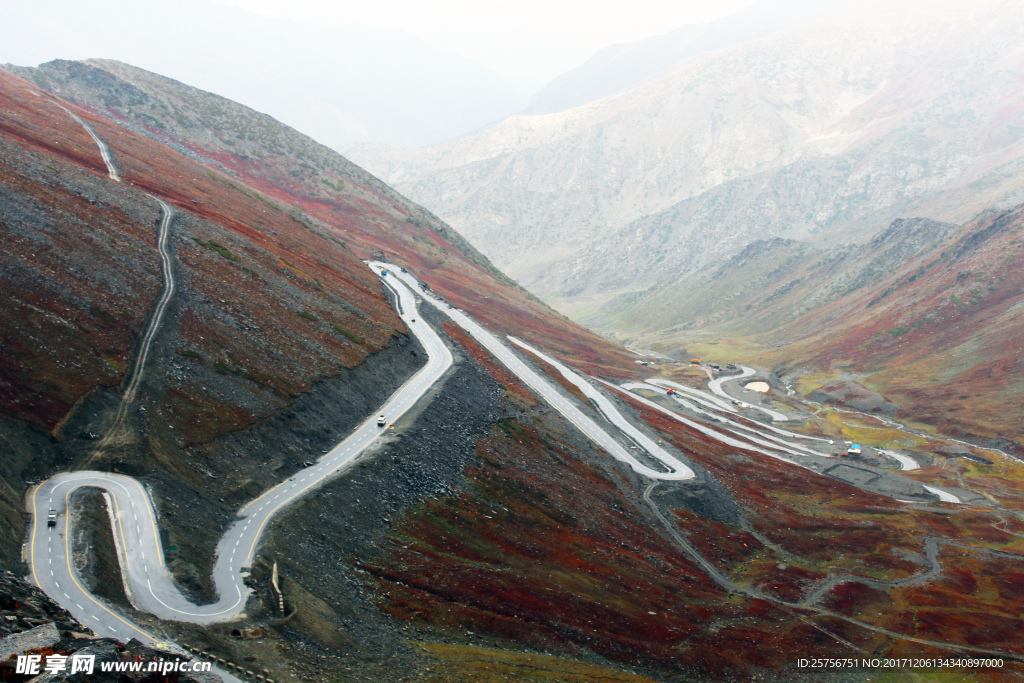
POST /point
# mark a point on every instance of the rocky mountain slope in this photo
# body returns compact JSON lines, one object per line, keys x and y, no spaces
{"x":277,"y":341}
{"x":33,"y":624}
{"x":326,"y":187}
{"x":624,"y":66}
{"x":769,"y":285}
{"x":928,"y":314}
{"x":822,"y":133}
{"x":485,"y":538}
{"x":939,"y":335}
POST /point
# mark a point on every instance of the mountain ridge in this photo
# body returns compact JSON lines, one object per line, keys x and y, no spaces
{"x":319,"y":181}
{"x":484,"y":528}
{"x":623,"y":66}
{"x":822,"y":132}
{"x":337,"y":83}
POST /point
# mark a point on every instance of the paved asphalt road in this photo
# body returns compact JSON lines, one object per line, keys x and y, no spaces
{"x":716,"y":387}
{"x":773,"y":446}
{"x":547,"y":392}
{"x":701,"y":397}
{"x":149,"y":585}
{"x":737,"y":440}
{"x":753,"y":434}
{"x":121,"y":627}
{"x":677,"y":469}
{"x":147,"y":580}
{"x":906,"y":462}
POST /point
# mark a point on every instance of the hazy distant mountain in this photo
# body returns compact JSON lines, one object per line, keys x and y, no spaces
{"x":620,"y":67}
{"x":825,"y":132}
{"x":338,"y":85}
{"x":485,"y":538}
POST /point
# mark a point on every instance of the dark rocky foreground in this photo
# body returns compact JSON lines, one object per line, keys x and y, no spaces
{"x":33,"y":624}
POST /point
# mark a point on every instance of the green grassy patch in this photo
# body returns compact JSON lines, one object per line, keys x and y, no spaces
{"x":220,"y":249}
{"x":351,"y":336}
{"x":189,"y":353}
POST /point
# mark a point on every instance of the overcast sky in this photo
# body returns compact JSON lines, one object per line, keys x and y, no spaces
{"x":403,"y":72}
{"x":532,"y":40}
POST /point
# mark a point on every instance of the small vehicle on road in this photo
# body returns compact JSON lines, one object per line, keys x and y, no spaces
{"x":381,"y":420}
{"x":51,"y":518}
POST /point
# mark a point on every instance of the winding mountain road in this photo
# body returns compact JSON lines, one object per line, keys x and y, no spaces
{"x":906,"y":463}
{"x":151,"y":588}
{"x":149,"y":585}
{"x":743,"y":436}
{"x":676,"y":470}
{"x":156,"y":315}
{"x":734,"y":427}
{"x":701,"y":397}
{"x":810,"y":600}
{"x":156,"y":318}
{"x":716,"y":387}
{"x":105,"y":153}
{"x":147,"y":581}
{"x":612,"y":415}
{"x":736,"y":440}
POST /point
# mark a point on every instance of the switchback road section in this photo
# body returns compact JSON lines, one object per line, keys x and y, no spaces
{"x":149,"y":585}
{"x":673,"y":469}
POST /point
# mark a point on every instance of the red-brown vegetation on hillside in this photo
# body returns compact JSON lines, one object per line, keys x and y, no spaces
{"x":274,"y":301}
{"x":724,"y":545}
{"x":560,"y":379}
{"x":374,"y":223}
{"x":505,"y":558}
{"x":56,"y":347}
{"x":786,"y":582}
{"x":497,"y":370}
{"x":976,"y":600}
{"x":538,"y":545}
{"x":290,"y":169}
{"x":799,"y":504}
{"x":941,"y":336}
{"x":546,"y":550}
{"x":854,"y":598}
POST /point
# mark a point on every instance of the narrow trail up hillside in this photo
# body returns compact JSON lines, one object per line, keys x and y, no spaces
{"x":156,"y":315}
